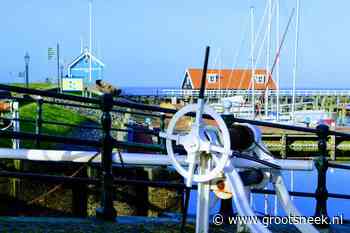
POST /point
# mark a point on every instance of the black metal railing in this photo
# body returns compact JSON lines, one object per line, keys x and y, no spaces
{"x":107,"y":105}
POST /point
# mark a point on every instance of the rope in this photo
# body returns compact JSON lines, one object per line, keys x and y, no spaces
{"x":235,"y":61}
{"x":55,"y":188}
{"x":7,"y":127}
{"x":121,"y":159}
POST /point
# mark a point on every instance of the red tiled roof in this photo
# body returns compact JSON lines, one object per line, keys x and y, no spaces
{"x":230,"y":79}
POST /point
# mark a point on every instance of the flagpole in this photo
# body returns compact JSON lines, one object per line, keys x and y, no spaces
{"x":295,"y":58}
{"x":90,"y":43}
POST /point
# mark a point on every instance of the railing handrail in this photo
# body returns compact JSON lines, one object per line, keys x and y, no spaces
{"x":138,"y":106}
{"x":228,"y":92}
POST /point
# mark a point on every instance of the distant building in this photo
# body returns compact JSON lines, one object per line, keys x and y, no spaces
{"x":79,"y":72}
{"x":236,"y":79}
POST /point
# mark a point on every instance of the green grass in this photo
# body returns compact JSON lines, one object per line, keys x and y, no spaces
{"x":39,"y":86}
{"x":50,"y":113}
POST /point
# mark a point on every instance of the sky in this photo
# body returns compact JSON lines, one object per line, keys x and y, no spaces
{"x":151,"y":43}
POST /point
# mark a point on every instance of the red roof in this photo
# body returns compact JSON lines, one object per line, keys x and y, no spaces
{"x":239,"y":79}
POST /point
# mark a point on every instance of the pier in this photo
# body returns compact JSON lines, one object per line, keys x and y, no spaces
{"x":306,"y":99}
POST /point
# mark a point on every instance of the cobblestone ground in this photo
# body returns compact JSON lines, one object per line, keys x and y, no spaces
{"x":125,"y":225}
{"x":52,"y":225}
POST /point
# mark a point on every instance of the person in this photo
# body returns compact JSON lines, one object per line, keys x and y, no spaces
{"x":307,"y":121}
{"x":257,"y":109}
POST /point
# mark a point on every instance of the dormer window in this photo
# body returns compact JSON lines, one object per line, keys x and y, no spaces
{"x":212,"y":78}
{"x":260,"y":79}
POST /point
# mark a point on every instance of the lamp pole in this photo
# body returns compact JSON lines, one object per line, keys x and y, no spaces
{"x":26,"y":61}
{"x":58,"y":68}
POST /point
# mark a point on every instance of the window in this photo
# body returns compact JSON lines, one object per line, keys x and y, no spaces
{"x":260,"y":78}
{"x":212,"y":78}
{"x":187,"y":83}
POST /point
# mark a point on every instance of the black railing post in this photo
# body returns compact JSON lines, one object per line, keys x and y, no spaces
{"x":106,"y":211}
{"x":39,"y":119}
{"x":322,"y":166}
{"x":161,"y":141}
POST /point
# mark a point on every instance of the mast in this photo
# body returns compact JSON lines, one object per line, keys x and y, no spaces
{"x":252,"y":59}
{"x":277,"y":79}
{"x":295,"y":57}
{"x":268,"y":48}
{"x":90,"y":42}
{"x":278,"y":59}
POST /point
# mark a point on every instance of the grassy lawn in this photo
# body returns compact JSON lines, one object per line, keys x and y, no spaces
{"x":39,"y":86}
{"x":50,"y":113}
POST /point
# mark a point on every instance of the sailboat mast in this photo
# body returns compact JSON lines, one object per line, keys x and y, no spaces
{"x":268,"y":48}
{"x":295,"y":57}
{"x":278,"y":59}
{"x":252,"y":58}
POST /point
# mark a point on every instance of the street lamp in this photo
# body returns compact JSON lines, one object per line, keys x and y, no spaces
{"x":26,"y":60}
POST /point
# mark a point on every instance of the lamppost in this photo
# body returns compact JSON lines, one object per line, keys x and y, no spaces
{"x":61,"y":77}
{"x":26,"y":60}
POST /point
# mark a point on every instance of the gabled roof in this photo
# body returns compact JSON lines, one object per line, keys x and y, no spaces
{"x":82,"y":56}
{"x":230,"y":79}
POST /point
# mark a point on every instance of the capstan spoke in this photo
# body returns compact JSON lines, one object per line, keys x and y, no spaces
{"x":215,"y":158}
{"x":169,"y":136}
{"x":191,"y":167}
{"x":212,"y":148}
{"x":218,"y":149}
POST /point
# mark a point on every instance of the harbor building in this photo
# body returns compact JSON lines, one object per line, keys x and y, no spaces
{"x":228,"y":79}
{"x":79,"y":72}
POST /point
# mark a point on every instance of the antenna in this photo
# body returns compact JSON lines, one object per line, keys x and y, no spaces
{"x":81,"y":44}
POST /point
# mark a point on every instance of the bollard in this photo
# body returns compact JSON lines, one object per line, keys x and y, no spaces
{"x":322,"y":166}
{"x":284,"y":144}
{"x":106,"y":211}
{"x":39,"y":119}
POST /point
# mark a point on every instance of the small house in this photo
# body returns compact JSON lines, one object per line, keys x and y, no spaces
{"x":79,"y":72}
{"x":230,"y":79}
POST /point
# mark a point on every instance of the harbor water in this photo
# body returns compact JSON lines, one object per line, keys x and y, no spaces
{"x":337,"y":180}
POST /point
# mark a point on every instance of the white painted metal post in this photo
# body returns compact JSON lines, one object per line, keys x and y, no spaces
{"x":203,"y":199}
{"x":267,"y":93}
{"x":252,"y":59}
{"x":240,"y":226}
{"x":292,"y":183}
{"x":15,"y":187}
{"x":295,"y":57}
{"x":15,"y":123}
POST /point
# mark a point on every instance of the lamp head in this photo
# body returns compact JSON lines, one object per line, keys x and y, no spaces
{"x":26,"y":58}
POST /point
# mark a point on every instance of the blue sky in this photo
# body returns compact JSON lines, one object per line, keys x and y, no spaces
{"x":151,"y":43}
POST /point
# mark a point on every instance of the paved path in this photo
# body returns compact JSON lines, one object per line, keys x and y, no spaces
{"x":124,"y":225}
